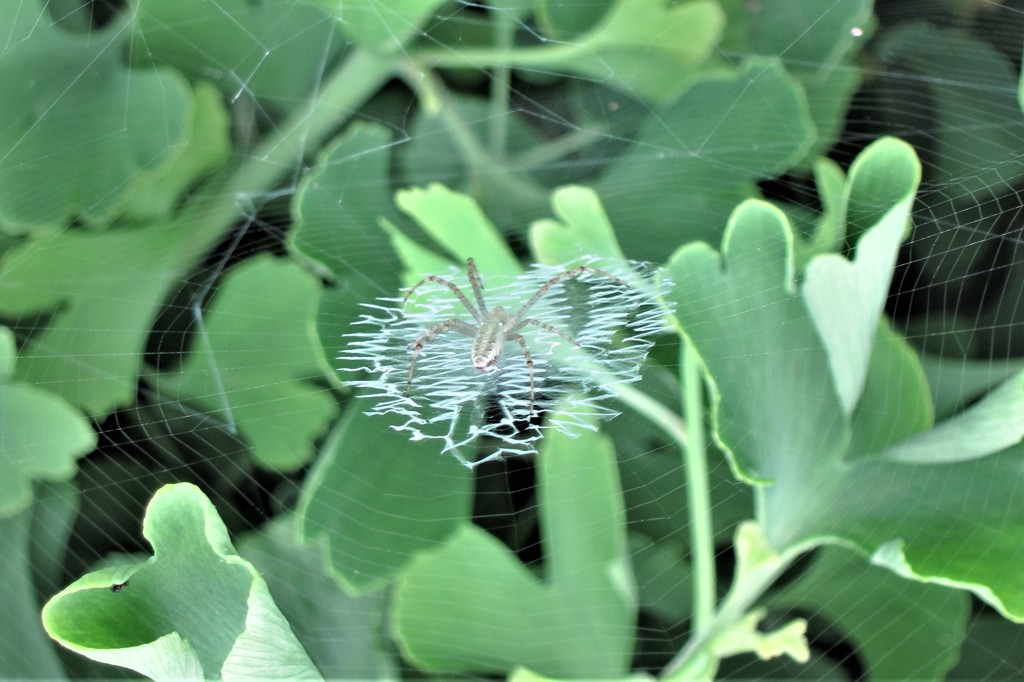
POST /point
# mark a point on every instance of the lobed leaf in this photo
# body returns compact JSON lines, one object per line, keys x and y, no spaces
{"x":90,"y":351}
{"x":775,"y":409}
{"x":193,"y":610}
{"x":375,"y":499}
{"x":93,"y":133}
{"x":576,"y":622}
{"x":874,"y":608}
{"x":273,"y":51}
{"x":254,"y":359}
{"x":692,"y":163}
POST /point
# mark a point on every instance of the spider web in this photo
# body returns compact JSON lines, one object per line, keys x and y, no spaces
{"x":145,"y":360}
{"x":613,"y":323}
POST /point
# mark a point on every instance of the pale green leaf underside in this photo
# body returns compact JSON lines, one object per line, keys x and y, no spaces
{"x":194,"y":610}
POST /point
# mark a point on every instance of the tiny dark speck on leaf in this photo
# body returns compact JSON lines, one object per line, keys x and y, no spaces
{"x":119,"y":586}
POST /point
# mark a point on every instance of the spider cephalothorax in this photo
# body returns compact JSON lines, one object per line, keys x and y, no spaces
{"x":493,"y":327}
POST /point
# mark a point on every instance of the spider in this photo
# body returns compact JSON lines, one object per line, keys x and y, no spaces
{"x":493,"y":327}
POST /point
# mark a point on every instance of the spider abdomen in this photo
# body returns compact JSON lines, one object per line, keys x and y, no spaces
{"x":489,"y":340}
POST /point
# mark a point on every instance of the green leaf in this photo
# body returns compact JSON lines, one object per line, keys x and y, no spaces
{"x":90,"y":351}
{"x":89,"y":132}
{"x":253,"y":360}
{"x":993,"y":424}
{"x":273,"y":51}
{"x":846,"y":299}
{"x":584,"y":230}
{"x":577,"y":622}
{"x":456,"y":222}
{"x":193,"y":610}
{"x":383,"y":25}
{"x":41,"y":436}
{"x":25,"y":651}
{"x":375,"y":499}
{"x":691,"y":164}
{"x":336,"y":211}
{"x":775,"y":410}
{"x":896,"y":403}
{"x":817,"y":40}
{"x":646,"y":48}
{"x":895,"y":623}
{"x":725,"y":303}
{"x":155,"y":194}
{"x":339,"y":631}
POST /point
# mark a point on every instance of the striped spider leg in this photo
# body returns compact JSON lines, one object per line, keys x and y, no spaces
{"x":493,"y":327}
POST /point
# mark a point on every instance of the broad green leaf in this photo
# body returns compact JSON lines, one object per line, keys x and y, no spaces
{"x":340,"y":632}
{"x":457,"y":223}
{"x":193,"y":610}
{"x":994,"y":423}
{"x":846,"y":298}
{"x":896,"y":403}
{"x":253,"y":360}
{"x":895,"y":623}
{"x":817,"y":40}
{"x":41,"y":436}
{"x":576,"y":622}
{"x":154,"y":194}
{"x":336,"y":212}
{"x":992,"y":649}
{"x":102,"y":293}
{"x":273,"y":51}
{"x":584,"y":229}
{"x":382,"y":25}
{"x":772,"y":402}
{"x":664,"y":578}
{"x":692,"y":163}
{"x":25,"y":651}
{"x":773,"y":405}
{"x":375,"y":499}
{"x":646,"y":48}
{"x":88,"y":131}
{"x":810,"y":36}
{"x":54,"y":514}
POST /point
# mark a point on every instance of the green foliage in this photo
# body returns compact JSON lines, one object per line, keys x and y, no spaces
{"x":41,"y":436}
{"x":194,"y":609}
{"x":198,"y":200}
{"x":575,"y":622}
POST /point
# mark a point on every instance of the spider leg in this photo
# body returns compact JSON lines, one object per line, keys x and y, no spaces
{"x":454,"y":289}
{"x":534,"y":321}
{"x":568,"y":274}
{"x":428,"y":336}
{"x":477,"y":284}
{"x":529,"y":366}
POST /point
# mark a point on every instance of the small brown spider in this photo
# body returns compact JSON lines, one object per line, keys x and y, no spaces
{"x":493,"y":327}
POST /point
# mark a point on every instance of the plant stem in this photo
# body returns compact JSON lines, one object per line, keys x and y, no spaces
{"x":739,"y":600}
{"x":476,"y":57}
{"x":658,"y":414}
{"x":501,"y":78}
{"x":556,"y":148}
{"x":702,"y":547}
{"x":430,"y":88}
